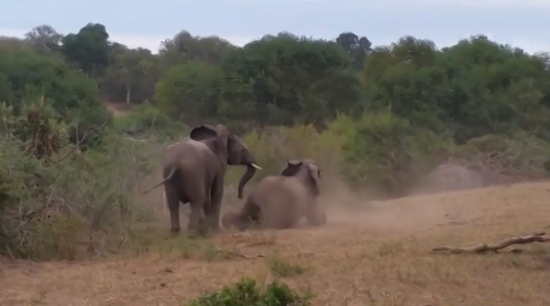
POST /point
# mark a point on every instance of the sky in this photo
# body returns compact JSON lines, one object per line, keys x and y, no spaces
{"x":145,"y":23}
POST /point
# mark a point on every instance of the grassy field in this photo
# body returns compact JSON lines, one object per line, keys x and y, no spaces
{"x":375,"y":256}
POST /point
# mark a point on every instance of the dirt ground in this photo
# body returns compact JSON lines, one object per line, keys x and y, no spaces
{"x":375,"y":256}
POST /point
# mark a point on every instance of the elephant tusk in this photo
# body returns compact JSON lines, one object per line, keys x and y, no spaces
{"x":256,"y":166}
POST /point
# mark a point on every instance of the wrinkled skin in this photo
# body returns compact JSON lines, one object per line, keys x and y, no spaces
{"x":279,"y":202}
{"x":194,"y":169}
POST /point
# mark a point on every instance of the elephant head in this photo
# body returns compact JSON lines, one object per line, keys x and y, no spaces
{"x":307,"y":171}
{"x":229,"y":148}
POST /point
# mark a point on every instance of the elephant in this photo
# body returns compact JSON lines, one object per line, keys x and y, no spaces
{"x":194,"y":170}
{"x":280,"y":201}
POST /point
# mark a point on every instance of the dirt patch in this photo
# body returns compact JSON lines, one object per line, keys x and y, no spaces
{"x":378,"y":255}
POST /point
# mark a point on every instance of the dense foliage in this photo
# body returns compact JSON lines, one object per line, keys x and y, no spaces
{"x":473,"y":88}
{"x":382,"y":116}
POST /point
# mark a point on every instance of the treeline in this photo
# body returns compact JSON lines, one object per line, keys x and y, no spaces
{"x":475,"y":87}
{"x":394,"y":99}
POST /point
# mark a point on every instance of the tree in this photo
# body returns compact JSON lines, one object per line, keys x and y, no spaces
{"x":358,"y":48}
{"x":131,"y":75}
{"x":186,"y":47}
{"x":288,"y":80}
{"x":44,"y":38}
{"x":472,"y":88}
{"x":88,"y":49}
{"x":190,"y":92}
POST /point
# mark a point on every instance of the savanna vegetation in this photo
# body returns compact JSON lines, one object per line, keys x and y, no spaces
{"x":382,"y":118}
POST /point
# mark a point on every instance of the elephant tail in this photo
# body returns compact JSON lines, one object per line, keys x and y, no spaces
{"x":169,"y":176}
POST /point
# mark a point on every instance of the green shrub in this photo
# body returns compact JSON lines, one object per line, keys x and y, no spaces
{"x":146,"y":120}
{"x":247,"y":293}
{"x":55,"y":200}
{"x":73,"y":96}
{"x":521,"y":153}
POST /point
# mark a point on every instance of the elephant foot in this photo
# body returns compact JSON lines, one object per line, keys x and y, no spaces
{"x":175,"y":230}
{"x":213,"y":226}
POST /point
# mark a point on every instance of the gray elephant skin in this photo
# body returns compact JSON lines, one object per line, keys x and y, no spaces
{"x":280,"y":201}
{"x":194,"y":170}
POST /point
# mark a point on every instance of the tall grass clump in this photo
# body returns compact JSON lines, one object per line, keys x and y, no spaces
{"x":56,"y":201}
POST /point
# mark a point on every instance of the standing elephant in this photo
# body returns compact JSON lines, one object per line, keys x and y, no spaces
{"x":194,"y":170}
{"x":281,"y":201}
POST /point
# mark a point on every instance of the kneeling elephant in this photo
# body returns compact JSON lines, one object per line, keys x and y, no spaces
{"x":280,"y":201}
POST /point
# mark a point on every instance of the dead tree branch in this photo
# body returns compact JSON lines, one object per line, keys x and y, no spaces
{"x":484,"y":248}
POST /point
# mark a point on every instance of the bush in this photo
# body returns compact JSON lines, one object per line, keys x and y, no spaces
{"x":31,"y":76}
{"x":386,"y":152}
{"x":146,"y":120}
{"x":54,"y":200}
{"x":247,"y":293}
{"x":521,"y":155}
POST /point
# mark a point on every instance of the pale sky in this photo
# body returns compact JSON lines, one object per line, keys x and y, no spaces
{"x":145,"y":23}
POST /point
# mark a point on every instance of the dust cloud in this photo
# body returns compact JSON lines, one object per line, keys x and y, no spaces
{"x":356,"y":207}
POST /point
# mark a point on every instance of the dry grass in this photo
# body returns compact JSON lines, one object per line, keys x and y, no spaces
{"x":378,"y":256}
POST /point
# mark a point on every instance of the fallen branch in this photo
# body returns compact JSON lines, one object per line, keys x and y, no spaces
{"x":483,"y":248}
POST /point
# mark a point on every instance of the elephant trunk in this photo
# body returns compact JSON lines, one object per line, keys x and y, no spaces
{"x":250,"y":171}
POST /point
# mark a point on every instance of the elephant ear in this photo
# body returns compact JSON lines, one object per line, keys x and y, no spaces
{"x":222,"y":130}
{"x":315,"y":179}
{"x":315,"y":173}
{"x":203,"y":132}
{"x":292,"y":167}
{"x":224,"y":135}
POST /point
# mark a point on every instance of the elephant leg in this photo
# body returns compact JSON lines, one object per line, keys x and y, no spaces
{"x":213,"y":212}
{"x":254,"y":214}
{"x":195,"y":219}
{"x":173,"y":204}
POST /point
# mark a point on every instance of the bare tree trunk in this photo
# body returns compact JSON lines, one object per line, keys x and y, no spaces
{"x":128,"y":93}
